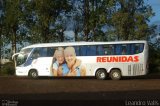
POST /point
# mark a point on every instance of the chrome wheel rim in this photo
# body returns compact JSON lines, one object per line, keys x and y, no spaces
{"x":115,"y":75}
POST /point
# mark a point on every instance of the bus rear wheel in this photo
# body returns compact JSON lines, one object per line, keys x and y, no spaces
{"x":101,"y":74}
{"x":33,"y":74}
{"x":115,"y":74}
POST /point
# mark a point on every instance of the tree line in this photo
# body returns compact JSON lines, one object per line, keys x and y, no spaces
{"x":37,"y":21}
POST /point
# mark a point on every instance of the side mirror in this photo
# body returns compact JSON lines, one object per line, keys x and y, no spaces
{"x":13,"y":56}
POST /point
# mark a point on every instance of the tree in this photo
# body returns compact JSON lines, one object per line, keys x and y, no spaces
{"x":13,"y":14}
{"x":154,"y":57}
{"x":100,"y":16}
{"x":1,"y":28}
{"x":86,"y":19}
{"x":130,"y":19}
{"x":77,"y":16}
{"x":12,"y":20}
{"x":45,"y":16}
{"x":97,"y":14}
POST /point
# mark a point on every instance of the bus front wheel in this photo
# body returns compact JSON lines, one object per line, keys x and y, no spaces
{"x":101,"y":74}
{"x":115,"y":74}
{"x":33,"y":74}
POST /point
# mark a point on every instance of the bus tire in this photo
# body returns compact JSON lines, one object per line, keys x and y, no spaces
{"x":33,"y":74}
{"x":115,"y":74}
{"x":101,"y":74}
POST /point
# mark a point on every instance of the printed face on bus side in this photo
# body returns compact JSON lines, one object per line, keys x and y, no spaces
{"x":70,"y":55}
{"x":60,"y":58}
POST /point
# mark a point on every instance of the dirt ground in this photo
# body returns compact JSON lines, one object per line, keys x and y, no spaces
{"x":84,"y":91}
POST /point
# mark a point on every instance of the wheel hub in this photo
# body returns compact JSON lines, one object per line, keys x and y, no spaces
{"x":116,"y":75}
{"x":102,"y":75}
{"x":34,"y":74}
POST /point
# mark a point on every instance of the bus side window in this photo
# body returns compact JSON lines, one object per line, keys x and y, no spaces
{"x":111,"y":49}
{"x":132,"y":49}
{"x":50,"y":51}
{"x":141,"y":47}
{"x":136,"y":49}
{"x":43,"y":52}
{"x":77,"y":50}
{"x":106,"y":50}
{"x":91,"y":50}
{"x":100,"y":50}
{"x":124,"y":49}
{"x":83,"y":50}
{"x":36,"y":53}
{"x":129,"y":49}
{"x":118,"y":49}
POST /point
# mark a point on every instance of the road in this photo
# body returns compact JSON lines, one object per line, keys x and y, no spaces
{"x":127,"y":90}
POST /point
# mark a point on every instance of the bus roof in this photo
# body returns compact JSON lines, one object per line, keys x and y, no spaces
{"x":80,"y":43}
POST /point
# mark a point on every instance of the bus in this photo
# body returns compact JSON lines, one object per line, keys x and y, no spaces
{"x":98,"y":59}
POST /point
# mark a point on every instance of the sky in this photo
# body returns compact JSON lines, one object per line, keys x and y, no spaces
{"x":156,"y":9}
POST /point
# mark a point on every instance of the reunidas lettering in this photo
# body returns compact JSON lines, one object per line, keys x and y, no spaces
{"x":118,"y":59}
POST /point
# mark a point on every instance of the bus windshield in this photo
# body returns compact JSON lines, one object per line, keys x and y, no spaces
{"x":22,"y":56}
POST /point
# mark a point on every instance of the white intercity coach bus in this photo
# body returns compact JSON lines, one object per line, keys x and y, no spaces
{"x":99,"y":59}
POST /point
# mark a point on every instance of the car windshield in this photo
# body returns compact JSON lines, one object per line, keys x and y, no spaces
{"x":23,"y":55}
